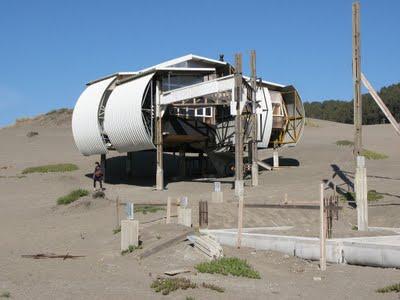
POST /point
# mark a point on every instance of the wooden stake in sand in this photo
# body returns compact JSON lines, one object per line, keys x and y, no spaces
{"x":117,"y":211}
{"x":168,"y":219}
{"x":322,"y":260}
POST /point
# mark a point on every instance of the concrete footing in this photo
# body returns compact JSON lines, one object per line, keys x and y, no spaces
{"x":129,"y":233}
{"x":275,"y":157}
{"x":361,"y":191}
{"x":185,"y":216}
{"x":382,"y":251}
{"x":239,"y":188}
{"x":217,"y":197}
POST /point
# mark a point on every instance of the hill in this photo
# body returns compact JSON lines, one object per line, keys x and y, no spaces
{"x":55,"y":118}
{"x":342,"y":111}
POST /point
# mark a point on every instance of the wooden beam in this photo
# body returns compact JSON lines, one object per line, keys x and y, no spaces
{"x":381,"y":104}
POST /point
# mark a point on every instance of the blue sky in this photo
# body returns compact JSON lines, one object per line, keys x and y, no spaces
{"x":50,"y":49}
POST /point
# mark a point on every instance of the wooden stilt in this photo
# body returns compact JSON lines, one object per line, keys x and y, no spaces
{"x":322,"y":236}
{"x":159,"y":141}
{"x":254,"y":148}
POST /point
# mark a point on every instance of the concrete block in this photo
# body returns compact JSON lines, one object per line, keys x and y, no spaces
{"x":217,"y":197}
{"x":185,"y":216}
{"x":276,"y":159}
{"x":129,"y":233}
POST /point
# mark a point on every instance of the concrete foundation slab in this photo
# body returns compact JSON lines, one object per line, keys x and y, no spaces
{"x":382,"y":251}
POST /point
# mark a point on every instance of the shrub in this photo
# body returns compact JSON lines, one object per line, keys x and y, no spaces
{"x":344,"y":143}
{"x":117,"y":230}
{"x":5,"y":295}
{"x":167,"y":285}
{"x":130,"y":249}
{"x":390,"y":288}
{"x":72,"y":196}
{"x":51,"y":168}
{"x":373,"y":195}
{"x":144,"y":209}
{"x":228,"y":265}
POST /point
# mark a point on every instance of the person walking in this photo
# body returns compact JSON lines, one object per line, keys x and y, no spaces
{"x":97,"y":176}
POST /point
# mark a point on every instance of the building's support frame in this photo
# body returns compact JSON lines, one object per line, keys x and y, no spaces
{"x":239,"y":184}
{"x":357,"y":80}
{"x":103,"y":165}
{"x":254,"y":151}
{"x":360,"y":182}
{"x":159,"y":140}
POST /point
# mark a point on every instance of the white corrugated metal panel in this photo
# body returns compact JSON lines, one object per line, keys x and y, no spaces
{"x":264,"y":117}
{"x":85,"y":126}
{"x":123,"y":120}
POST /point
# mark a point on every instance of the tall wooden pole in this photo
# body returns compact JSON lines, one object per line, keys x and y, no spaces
{"x":238,"y":127}
{"x":322,"y":247}
{"x":254,"y":152}
{"x":357,"y":80}
{"x":239,"y":186}
{"x":159,"y":141}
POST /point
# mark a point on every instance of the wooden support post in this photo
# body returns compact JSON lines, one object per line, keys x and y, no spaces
{"x":203,"y":214}
{"x":254,"y":148}
{"x":118,"y":224}
{"x":159,"y":141}
{"x":322,"y":260}
{"x":357,"y":80}
{"x":239,"y":185}
{"x":103,"y":165}
{"x":361,"y":191}
{"x":169,"y":204}
{"x":275,"y":158}
{"x":182,"y":163}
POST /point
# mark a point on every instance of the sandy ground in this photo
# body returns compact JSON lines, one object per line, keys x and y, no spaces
{"x":31,"y":222}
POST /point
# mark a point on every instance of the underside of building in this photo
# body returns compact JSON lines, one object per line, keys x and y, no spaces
{"x":193,"y":99}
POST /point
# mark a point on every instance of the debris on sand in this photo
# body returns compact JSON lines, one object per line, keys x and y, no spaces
{"x":32,"y":133}
{"x":207,"y":246}
{"x":98,"y":194}
{"x":51,"y":255}
{"x":176,"y":272}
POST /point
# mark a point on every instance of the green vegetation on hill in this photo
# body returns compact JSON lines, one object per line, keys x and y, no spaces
{"x":342,"y":111}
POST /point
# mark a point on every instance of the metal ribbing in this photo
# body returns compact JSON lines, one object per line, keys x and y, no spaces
{"x":85,"y":126}
{"x":123,"y":121}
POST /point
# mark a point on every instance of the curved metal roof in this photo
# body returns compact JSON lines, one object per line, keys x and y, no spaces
{"x":123,"y":121}
{"x":85,"y":125}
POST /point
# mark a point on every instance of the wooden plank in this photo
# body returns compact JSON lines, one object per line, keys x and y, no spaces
{"x":381,"y":104}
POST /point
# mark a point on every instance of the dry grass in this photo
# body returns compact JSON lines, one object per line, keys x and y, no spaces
{"x":390,"y":288}
{"x":72,"y":196}
{"x":373,"y":155}
{"x":51,"y":168}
